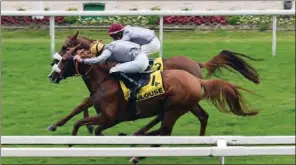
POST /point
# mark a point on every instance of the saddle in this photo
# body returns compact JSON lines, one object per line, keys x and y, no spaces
{"x":150,"y":80}
{"x":143,"y":78}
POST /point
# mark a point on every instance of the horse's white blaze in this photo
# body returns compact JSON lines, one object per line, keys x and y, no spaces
{"x":57,"y":56}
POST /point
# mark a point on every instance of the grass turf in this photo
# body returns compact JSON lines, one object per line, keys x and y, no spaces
{"x":30,"y":102}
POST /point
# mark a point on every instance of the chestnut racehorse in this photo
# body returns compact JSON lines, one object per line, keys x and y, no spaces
{"x":225,"y":59}
{"x":182,"y":92}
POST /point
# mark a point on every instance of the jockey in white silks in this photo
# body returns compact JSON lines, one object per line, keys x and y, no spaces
{"x":144,"y":37}
{"x":130,"y":57}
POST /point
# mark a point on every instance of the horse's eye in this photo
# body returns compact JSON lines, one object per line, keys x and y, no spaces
{"x":64,"y":47}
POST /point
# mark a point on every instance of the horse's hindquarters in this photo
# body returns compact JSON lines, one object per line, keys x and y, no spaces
{"x":182,"y":89}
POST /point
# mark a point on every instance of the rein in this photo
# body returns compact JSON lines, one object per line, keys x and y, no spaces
{"x":77,"y":68}
{"x":91,"y":67}
{"x":77,"y":63}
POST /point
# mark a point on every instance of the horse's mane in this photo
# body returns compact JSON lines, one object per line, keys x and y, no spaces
{"x":91,"y":40}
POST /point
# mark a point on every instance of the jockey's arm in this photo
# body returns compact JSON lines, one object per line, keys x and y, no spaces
{"x":100,"y":59}
{"x":126,"y":36}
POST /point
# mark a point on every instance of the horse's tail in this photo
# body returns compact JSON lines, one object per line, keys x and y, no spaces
{"x":220,"y":93}
{"x":226,"y":59}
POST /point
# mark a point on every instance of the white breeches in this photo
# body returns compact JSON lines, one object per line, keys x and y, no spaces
{"x":139,"y":65}
{"x":151,"y":47}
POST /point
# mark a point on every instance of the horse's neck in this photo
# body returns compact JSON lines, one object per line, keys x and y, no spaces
{"x":97,"y":77}
{"x":87,"y":83}
{"x":84,"y":42}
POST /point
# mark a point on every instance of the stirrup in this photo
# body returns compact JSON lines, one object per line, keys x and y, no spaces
{"x":130,"y":96}
{"x":135,"y":92}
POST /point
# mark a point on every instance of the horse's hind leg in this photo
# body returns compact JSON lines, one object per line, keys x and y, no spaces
{"x":90,"y":128}
{"x":147,"y":127}
{"x":101,"y":128}
{"x":87,"y":102}
{"x":142,"y":131}
{"x":202,"y":116}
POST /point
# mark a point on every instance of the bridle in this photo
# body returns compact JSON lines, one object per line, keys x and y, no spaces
{"x":77,"y":63}
{"x":77,"y":69}
{"x":84,"y":76}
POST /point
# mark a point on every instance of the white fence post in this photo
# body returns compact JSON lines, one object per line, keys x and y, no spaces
{"x":52,"y":34}
{"x":161,"y":36}
{"x":274,"y":20}
{"x":221,"y":143}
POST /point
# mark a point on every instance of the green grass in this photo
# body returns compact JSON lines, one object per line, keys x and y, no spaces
{"x":30,"y":102}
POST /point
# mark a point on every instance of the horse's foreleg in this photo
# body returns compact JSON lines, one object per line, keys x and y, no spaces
{"x":87,"y":102}
{"x":202,"y":116}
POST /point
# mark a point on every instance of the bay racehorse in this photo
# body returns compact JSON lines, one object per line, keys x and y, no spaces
{"x":182,"y":92}
{"x":225,"y":59}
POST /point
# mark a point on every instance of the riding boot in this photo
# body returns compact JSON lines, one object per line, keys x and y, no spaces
{"x":134,"y":87}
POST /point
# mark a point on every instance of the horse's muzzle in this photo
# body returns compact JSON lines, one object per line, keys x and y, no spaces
{"x":54,"y":76}
{"x":54,"y":79}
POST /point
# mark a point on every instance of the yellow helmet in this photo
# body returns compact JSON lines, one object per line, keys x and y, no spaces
{"x":96,"y":47}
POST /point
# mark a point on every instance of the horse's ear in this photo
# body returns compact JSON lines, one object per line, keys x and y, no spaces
{"x":75,"y":36}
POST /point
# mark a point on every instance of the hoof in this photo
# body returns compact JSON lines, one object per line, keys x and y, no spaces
{"x":71,"y":145}
{"x":134,"y":160}
{"x":122,"y":134}
{"x":51,"y":128}
{"x":90,"y":129}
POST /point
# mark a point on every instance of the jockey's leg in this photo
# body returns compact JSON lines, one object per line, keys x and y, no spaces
{"x":152,"y":47}
{"x":140,"y":64}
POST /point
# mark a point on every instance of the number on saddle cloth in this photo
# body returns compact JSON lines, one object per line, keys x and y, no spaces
{"x":150,"y":82}
{"x":156,"y":64}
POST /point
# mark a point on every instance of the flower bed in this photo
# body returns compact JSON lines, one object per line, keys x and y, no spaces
{"x":132,"y":20}
{"x":261,"y":22}
{"x":194,"y":20}
{"x":25,"y":20}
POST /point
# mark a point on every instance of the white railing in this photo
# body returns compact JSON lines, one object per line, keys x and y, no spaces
{"x":221,"y":149}
{"x":162,"y":13}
